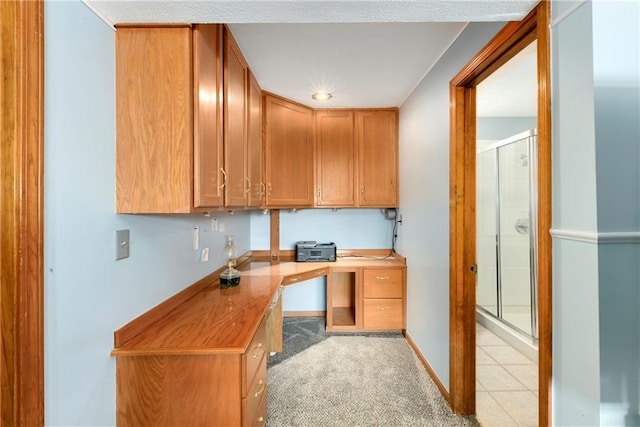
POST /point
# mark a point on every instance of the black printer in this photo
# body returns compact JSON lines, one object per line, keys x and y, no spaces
{"x":311,"y":251}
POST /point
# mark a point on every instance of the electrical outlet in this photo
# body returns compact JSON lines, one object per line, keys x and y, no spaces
{"x":195,"y":237}
{"x":214,"y":224}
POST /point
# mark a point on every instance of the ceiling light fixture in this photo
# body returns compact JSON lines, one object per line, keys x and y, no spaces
{"x":322,"y":96}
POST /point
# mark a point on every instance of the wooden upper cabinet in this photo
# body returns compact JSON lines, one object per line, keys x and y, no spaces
{"x":257,"y":187}
{"x":335,"y":158}
{"x":208,"y":135}
{"x":377,"y":141}
{"x":183,"y":121}
{"x":289,"y":156}
{"x":235,"y":124}
{"x":154,"y":126}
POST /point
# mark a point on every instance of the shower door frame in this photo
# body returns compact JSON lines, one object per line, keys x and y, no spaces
{"x":462,"y":259}
{"x":530,"y":137}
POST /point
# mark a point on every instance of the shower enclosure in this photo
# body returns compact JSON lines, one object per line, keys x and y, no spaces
{"x":506,"y":206}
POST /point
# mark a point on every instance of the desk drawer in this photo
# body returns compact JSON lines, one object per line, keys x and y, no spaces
{"x":383,"y":314}
{"x":261,"y":414}
{"x":257,"y":393}
{"x":253,"y":357}
{"x":383,"y":283}
{"x":301,"y":277}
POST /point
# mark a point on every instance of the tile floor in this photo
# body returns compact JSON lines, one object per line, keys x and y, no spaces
{"x":507,"y":383}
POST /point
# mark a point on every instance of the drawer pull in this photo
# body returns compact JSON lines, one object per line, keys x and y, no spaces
{"x":259,"y":351}
{"x":382,"y":277}
{"x":383,"y":308}
{"x":261,"y":420}
{"x":295,"y":279}
{"x":258,"y":393}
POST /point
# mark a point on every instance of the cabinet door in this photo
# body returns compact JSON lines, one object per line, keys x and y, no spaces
{"x":335,"y":158}
{"x":154,"y":127}
{"x":254,"y":144}
{"x":235,"y":120}
{"x":377,"y":139}
{"x":289,"y":167}
{"x":207,"y":126}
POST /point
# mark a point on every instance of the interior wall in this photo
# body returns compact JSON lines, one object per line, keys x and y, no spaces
{"x":596,"y":122}
{"x":347,"y":228}
{"x":616,"y":71}
{"x":88,"y":294}
{"x":498,"y":128}
{"x":424,"y":198}
{"x":576,"y":359}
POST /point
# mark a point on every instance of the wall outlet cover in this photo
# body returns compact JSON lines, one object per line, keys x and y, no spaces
{"x":122,"y":244}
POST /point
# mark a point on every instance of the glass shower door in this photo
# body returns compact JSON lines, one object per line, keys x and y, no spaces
{"x":514,"y":234}
{"x":506,"y":207}
{"x":487,"y":292}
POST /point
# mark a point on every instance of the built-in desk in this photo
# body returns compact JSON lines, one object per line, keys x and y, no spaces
{"x":200,"y":357}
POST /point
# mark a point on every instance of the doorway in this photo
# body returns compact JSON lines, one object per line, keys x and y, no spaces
{"x":512,"y":39}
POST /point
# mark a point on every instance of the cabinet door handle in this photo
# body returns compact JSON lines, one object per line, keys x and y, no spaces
{"x":263,"y":189}
{"x":362,"y":190}
{"x":261,"y":420}
{"x":259,"y":351}
{"x":224,"y":178}
{"x":269,"y":187}
{"x":248,"y":184}
{"x":318,"y":192}
{"x":258,"y":393}
{"x":382,"y":277}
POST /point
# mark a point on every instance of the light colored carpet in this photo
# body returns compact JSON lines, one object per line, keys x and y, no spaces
{"x":352,"y":380}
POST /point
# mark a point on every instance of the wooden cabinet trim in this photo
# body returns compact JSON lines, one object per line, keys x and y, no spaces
{"x":235,"y":123}
{"x":255,"y":145}
{"x":208,"y":115}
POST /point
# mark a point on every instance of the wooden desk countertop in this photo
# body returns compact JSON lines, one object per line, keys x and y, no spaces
{"x":223,"y":320}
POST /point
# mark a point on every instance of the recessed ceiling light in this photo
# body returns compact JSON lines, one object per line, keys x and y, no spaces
{"x":321,"y":96}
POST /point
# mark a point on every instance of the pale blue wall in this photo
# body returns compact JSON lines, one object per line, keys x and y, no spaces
{"x":88,"y":294}
{"x":424,"y":198}
{"x":498,"y":128}
{"x":596,"y":185}
{"x":576,"y":359}
{"x":347,"y":228}
{"x":616,"y":71}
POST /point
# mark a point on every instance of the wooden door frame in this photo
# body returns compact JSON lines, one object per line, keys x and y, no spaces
{"x":506,"y":44}
{"x":21,"y":212}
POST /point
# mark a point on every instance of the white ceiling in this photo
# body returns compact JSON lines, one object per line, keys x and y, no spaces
{"x":368,"y":53}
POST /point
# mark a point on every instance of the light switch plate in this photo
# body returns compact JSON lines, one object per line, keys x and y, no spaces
{"x":122,"y":244}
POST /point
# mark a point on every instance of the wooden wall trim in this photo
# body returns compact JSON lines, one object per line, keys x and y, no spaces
{"x":427,"y":367}
{"x":545,"y":242}
{"x":506,"y":44}
{"x":499,"y":50}
{"x":21,"y":210}
{"x":462,"y":318}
